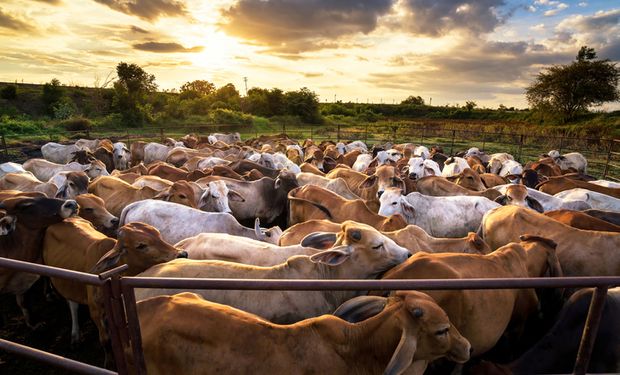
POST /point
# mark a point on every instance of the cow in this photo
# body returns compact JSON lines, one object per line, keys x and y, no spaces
{"x":76,"y":245}
{"x":476,"y":152}
{"x":548,"y":202}
{"x":172,"y":173}
{"x":27,"y":182}
{"x":44,"y":170}
{"x":57,"y":153}
{"x":454,"y":166}
{"x":313,"y":202}
{"x":440,"y":187}
{"x":609,"y":184}
{"x":244,"y":166}
{"x":418,"y":167}
{"x":23,"y":228}
{"x":154,"y":182}
{"x":370,"y":187}
{"x":471,"y":180}
{"x":229,"y":138}
{"x":122,"y":156}
{"x":356,"y":145}
{"x":550,"y":355}
{"x":582,"y":220}
{"x":581,"y":252}
{"x":118,"y":194}
{"x":517,"y":195}
{"x":593,"y":199}
{"x":608,"y":216}
{"x":354,"y":256}
{"x":407,"y":331}
{"x":177,"y":222}
{"x":11,"y":167}
{"x":559,"y":184}
{"x":92,"y":208}
{"x":319,"y":233}
{"x":438,"y":216}
{"x":483,"y":316}
{"x":337,"y":185}
{"x":571,"y":160}
{"x":496,"y":162}
{"x":87,"y":144}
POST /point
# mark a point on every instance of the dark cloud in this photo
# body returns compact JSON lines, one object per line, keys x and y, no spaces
{"x":166,"y":47}
{"x":291,"y":26}
{"x":148,"y":9}
{"x":611,"y":51}
{"x":436,"y":18}
{"x":598,"y":22}
{"x":139,"y":30}
{"x":51,"y":2}
{"x":11,"y":22}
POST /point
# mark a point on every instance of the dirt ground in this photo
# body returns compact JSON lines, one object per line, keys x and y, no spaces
{"x":52,"y":334}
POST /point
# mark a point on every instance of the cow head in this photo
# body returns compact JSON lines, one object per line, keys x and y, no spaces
{"x":517,"y":195}
{"x":95,"y":169}
{"x":7,"y":224}
{"x":216,"y":196}
{"x":271,"y":235}
{"x":419,"y":167}
{"x":392,"y":203}
{"x":92,"y":208}
{"x":385,"y":176}
{"x":38,"y":213}
{"x":121,"y":156}
{"x":286,"y":181}
{"x":494,"y":166}
{"x":75,"y":183}
{"x":470,"y":179}
{"x":140,"y":246}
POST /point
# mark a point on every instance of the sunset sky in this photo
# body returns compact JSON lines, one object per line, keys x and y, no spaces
{"x":451,"y":50}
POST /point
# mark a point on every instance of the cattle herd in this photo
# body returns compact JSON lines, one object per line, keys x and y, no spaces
{"x":276,"y":208}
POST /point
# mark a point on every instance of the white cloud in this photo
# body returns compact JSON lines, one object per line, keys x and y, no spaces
{"x":583,"y":4}
{"x":552,"y":12}
{"x":540,"y":27}
{"x":531,"y":8}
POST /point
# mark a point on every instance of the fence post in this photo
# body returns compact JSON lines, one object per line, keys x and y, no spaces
{"x":590,"y":330}
{"x":133,"y":326}
{"x":609,"y":149}
{"x":422,"y":136}
{"x":338,"y":132}
{"x":6,"y":150}
{"x":520,"y":147}
{"x":161,"y":134}
{"x":561,"y":144}
{"x":283,"y":128}
{"x":366,"y":134}
{"x":87,"y":133}
{"x":311,"y":131}
{"x":452,"y":144}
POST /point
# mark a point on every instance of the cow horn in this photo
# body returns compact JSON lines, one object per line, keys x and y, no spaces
{"x":360,"y":308}
{"x":257,"y":229}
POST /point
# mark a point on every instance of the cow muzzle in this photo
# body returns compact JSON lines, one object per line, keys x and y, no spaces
{"x":182,"y":254}
{"x":68,"y":209}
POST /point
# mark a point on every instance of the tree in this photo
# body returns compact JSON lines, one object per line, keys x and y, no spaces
{"x":303,"y":103}
{"x":416,"y":100}
{"x":571,"y":89}
{"x":229,"y":95}
{"x":130,"y":91}
{"x":52,"y":93}
{"x":196,"y":89}
{"x":9,"y":92}
{"x":470,"y":105}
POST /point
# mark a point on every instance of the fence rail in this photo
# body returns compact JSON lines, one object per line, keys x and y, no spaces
{"x":603,"y":154}
{"x":120,"y":304}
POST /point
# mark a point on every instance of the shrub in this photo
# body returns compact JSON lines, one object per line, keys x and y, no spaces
{"x":76,"y":124}
{"x":10,"y":126}
{"x":64,"y":108}
{"x":226,"y":116}
{"x":9,"y":92}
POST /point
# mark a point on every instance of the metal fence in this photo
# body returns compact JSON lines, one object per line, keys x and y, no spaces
{"x":124,"y":328}
{"x":603,"y":155}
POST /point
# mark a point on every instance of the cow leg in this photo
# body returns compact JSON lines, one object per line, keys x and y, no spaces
{"x":21,"y":302}
{"x":75,"y":324}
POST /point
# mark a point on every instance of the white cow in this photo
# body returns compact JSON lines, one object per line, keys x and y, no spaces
{"x":121,"y":156}
{"x":44,"y":170}
{"x":394,"y":155}
{"x":57,"y":153}
{"x":87,"y":144}
{"x":454,"y":166}
{"x":177,"y":222}
{"x":239,"y":249}
{"x":422,"y":151}
{"x":419,"y":167}
{"x":605,"y":183}
{"x":438,"y":216}
{"x":356,"y":145}
{"x":570,"y":160}
{"x":282,"y":162}
{"x":598,"y":201}
{"x":155,"y":152}
{"x":341,"y":147}
{"x":362,"y":162}
{"x":550,"y":202}
{"x":226,"y":138}
{"x":11,"y":167}
{"x":511,"y":168}
{"x":496,"y":162}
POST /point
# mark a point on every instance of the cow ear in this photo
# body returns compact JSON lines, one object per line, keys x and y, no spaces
{"x":360,"y":308}
{"x":534,"y":204}
{"x":332,"y":257}
{"x":319,"y":240}
{"x":429,"y":171}
{"x":235,"y":197}
{"x":7,"y":224}
{"x":164,"y":195}
{"x":502,"y":199}
{"x":408,"y":209}
{"x":403,"y":355}
{"x":369,"y":182}
{"x":399,"y":183}
{"x":109,"y":259}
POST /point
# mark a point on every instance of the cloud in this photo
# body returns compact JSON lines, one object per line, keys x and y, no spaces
{"x":436,"y":18}
{"x":139,"y":30}
{"x":312,"y":75}
{"x":538,"y":28}
{"x":51,"y":2}
{"x":597,"y":30}
{"x":583,"y":4}
{"x":558,"y":8}
{"x":291,"y":26}
{"x":149,"y":10}
{"x":14,"y":23}
{"x":165,"y":47}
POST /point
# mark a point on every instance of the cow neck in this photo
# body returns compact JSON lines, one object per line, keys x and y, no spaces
{"x":23,"y":243}
{"x":374,"y":339}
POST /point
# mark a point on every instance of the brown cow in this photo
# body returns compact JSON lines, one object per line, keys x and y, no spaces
{"x":310,"y":168}
{"x":411,"y":237}
{"x":23,"y":228}
{"x":244,"y":166}
{"x":92,"y":208}
{"x":441,"y":187}
{"x":313,"y":202}
{"x":471,"y":180}
{"x":582,"y":220}
{"x":172,"y":173}
{"x":558,"y":184}
{"x":518,"y":195}
{"x":118,"y":194}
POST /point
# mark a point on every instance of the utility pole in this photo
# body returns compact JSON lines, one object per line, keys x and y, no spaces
{"x":334,"y":98}
{"x":245,"y":80}
{"x":431,"y":102}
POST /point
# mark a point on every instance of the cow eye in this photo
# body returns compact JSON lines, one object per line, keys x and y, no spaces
{"x":394,"y":203}
{"x":509,"y":197}
{"x":182,"y":196}
{"x":377,"y":247}
{"x":89,"y":209}
{"x":141,"y":246}
{"x":213,"y":196}
{"x":442,"y":332}
{"x":267,"y":234}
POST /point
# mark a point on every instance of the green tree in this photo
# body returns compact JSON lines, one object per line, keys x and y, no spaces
{"x":470,"y":105}
{"x":9,"y":92}
{"x":196,"y":89}
{"x":130,"y":91}
{"x":571,"y":89}
{"x":227,"y":94}
{"x":303,"y":103}
{"x":415,"y":100}
{"x":52,"y":93}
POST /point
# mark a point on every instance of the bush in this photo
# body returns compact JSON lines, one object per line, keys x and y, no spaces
{"x":12,"y":126}
{"x":64,"y":109}
{"x":76,"y":124}
{"x":228,"y":117}
{"x":9,"y":92}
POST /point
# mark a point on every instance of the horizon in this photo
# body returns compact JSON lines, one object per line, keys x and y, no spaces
{"x":353,"y":51}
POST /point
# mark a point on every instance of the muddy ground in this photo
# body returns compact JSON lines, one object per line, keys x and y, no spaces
{"x":52,"y":334}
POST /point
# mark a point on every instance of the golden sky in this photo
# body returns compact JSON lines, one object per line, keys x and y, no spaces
{"x":377,"y":50}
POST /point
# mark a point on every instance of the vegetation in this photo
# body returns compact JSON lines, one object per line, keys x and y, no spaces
{"x":570,"y":90}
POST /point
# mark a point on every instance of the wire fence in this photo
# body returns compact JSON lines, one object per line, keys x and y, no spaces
{"x":603,"y":155}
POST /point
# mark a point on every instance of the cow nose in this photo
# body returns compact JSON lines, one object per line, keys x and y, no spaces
{"x":379,"y":194}
{"x":70,"y":204}
{"x":409,"y":255}
{"x":471,"y":350}
{"x":412,"y":176}
{"x":115,"y":221}
{"x":182,"y":254}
